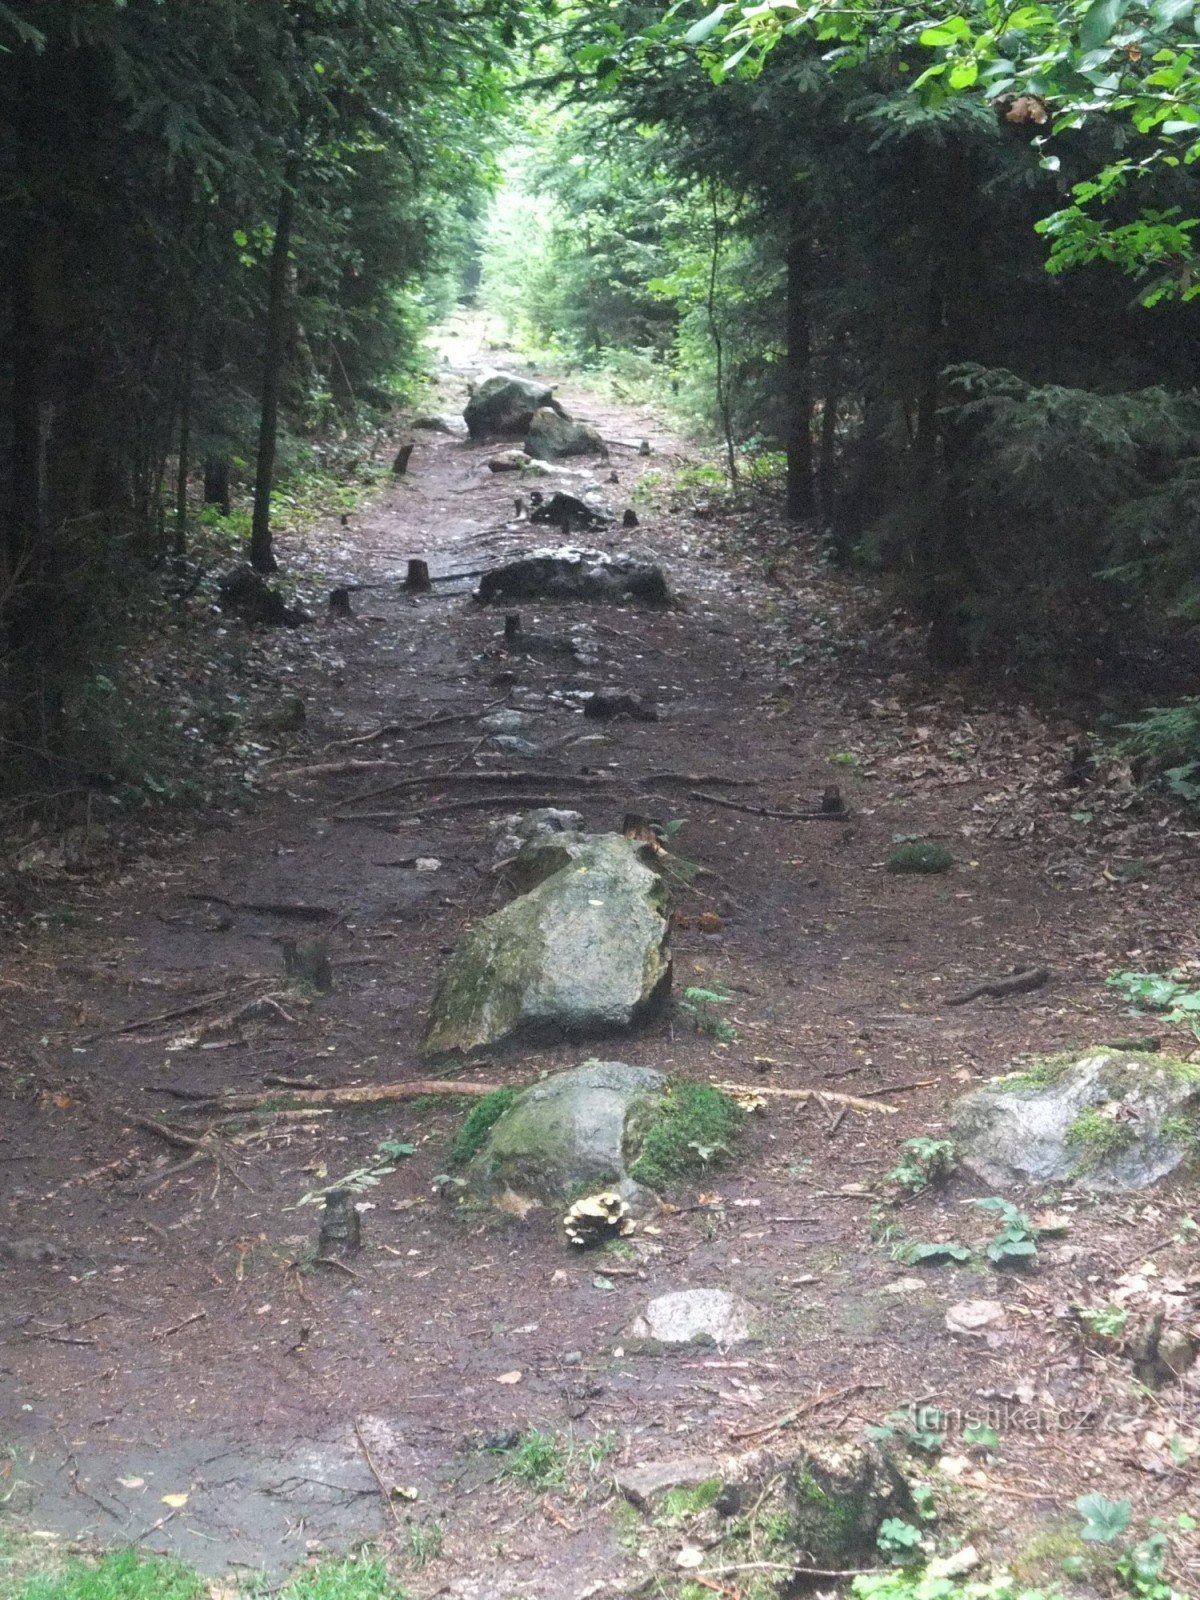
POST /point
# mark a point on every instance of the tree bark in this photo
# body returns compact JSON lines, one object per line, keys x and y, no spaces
{"x":800,"y":503}
{"x":831,"y":399}
{"x":216,"y":484}
{"x":262,"y":556}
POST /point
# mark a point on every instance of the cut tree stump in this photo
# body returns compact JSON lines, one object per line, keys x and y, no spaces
{"x":417,"y":579}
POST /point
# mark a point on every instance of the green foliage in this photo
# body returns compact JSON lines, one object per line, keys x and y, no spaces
{"x":698,"y":1004}
{"x":355,"y":1578}
{"x":918,"y":856}
{"x":1168,"y":738}
{"x":925,"y":1163}
{"x":899,"y":1540}
{"x":920,"y":1428}
{"x":480,"y":1120}
{"x":124,"y":1575}
{"x":1104,"y":1520}
{"x":696,"y":1128}
{"x":1104,"y":1322}
{"x":1170,"y":994}
{"x":1016,"y":1242}
{"x":909,"y":1585}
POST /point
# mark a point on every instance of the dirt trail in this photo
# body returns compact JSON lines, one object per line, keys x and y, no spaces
{"x":167,"y":1342}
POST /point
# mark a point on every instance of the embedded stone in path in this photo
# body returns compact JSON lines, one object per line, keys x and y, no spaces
{"x":582,"y":950}
{"x":576,"y":1130}
{"x":1106,"y":1120}
{"x":706,"y":1316}
{"x":570,"y":573}
{"x":553,"y":435}
{"x":504,"y":404}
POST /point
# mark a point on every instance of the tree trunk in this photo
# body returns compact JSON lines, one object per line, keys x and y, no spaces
{"x":827,"y":461}
{"x":800,"y":502}
{"x":185,"y":447}
{"x":31,"y":625}
{"x":216,"y":484}
{"x":262,"y":557}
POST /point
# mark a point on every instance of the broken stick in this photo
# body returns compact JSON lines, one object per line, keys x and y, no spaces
{"x":769,"y":811}
{"x":366,"y":1094}
{"x":825,"y":1096}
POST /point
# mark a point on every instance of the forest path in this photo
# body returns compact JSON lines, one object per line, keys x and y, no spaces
{"x":159,"y":1337}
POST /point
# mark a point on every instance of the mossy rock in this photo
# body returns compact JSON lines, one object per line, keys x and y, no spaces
{"x":919,"y":856}
{"x":582,"y":952}
{"x":838,"y":1496}
{"x":582,"y":1130}
{"x":1107,"y":1120}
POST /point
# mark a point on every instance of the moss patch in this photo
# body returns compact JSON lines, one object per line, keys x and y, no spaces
{"x":1095,"y":1137}
{"x":694,"y":1127}
{"x":919,"y":856}
{"x":679,"y":1504}
{"x":482,"y":1118}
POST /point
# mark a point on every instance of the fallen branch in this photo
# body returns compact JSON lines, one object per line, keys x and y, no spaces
{"x":395,"y":730}
{"x":828,"y":1097}
{"x":384,"y":1491}
{"x":477,"y":803}
{"x":368,"y":1094}
{"x":178,"y":1327}
{"x":453,"y":776}
{"x":331,"y":769}
{"x":270,"y":908}
{"x":1022,"y":982}
{"x":769,"y":811}
{"x":696,"y":777}
{"x":786,"y":1420}
{"x":159,"y":1016}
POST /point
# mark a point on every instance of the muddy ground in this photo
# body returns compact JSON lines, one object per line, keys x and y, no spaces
{"x":162,"y":1329}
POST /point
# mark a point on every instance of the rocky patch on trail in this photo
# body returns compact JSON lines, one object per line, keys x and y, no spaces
{"x":503,"y":405}
{"x":569,"y":512}
{"x":553,"y":435}
{"x":582,"y":950}
{"x":577,"y":1130}
{"x":569,"y":573}
{"x":693,"y":1316}
{"x":509,"y":461}
{"x":1105,"y":1120}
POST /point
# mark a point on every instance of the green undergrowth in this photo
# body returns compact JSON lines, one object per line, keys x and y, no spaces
{"x":133,"y":1575}
{"x":483,"y":1116}
{"x":695,"y":1127}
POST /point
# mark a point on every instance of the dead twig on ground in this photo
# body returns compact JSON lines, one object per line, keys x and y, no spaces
{"x":368,"y":1094}
{"x":789,"y":1417}
{"x":271,"y":908}
{"x":816,"y":815}
{"x":384,"y":1491}
{"x":826,"y":1096}
{"x":453,"y":776}
{"x":479,"y":802}
{"x":178,"y":1327}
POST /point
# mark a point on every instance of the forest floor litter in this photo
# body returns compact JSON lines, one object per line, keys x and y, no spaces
{"x":206,"y":1028}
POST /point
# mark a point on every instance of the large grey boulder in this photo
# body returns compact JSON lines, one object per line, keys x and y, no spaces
{"x":576,"y":1130}
{"x":504,"y":405}
{"x":570,"y":573}
{"x":583,"y":950}
{"x":553,"y":435}
{"x":1106,"y":1120}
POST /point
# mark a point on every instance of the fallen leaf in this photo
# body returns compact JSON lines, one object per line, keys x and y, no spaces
{"x":175,"y":1500}
{"x":132,"y":1483}
{"x":510,"y":1377}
